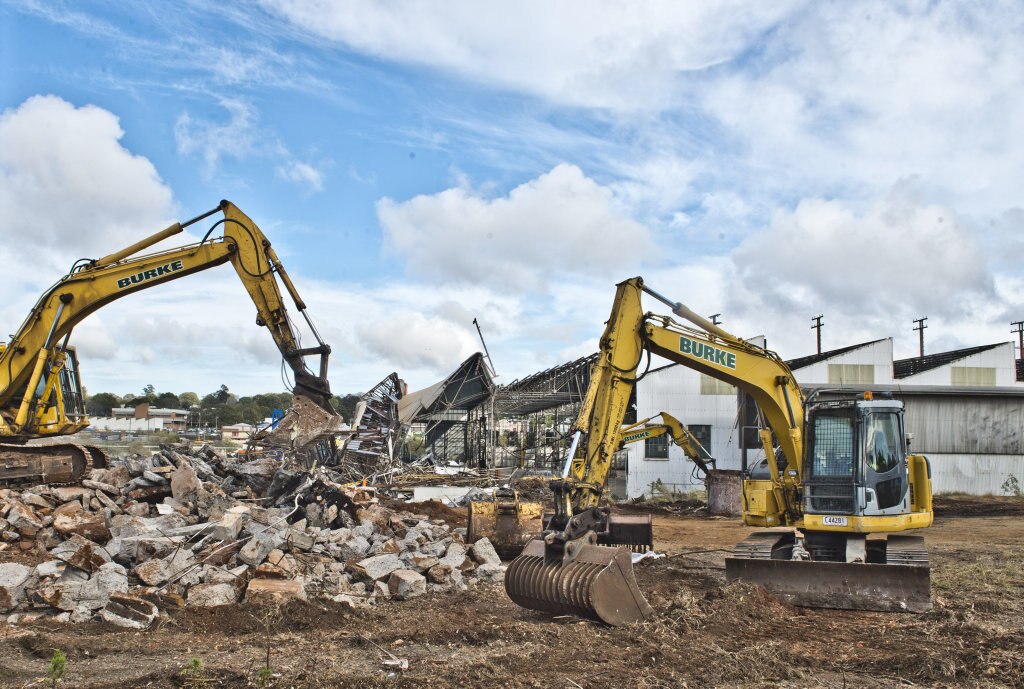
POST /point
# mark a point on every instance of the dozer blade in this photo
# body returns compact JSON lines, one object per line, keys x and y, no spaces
{"x":842,"y":585}
{"x":598,"y":584}
{"x":508,"y":524}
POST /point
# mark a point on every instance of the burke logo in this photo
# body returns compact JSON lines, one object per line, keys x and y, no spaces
{"x":635,"y":436}
{"x":702,"y":350}
{"x":171,"y":267}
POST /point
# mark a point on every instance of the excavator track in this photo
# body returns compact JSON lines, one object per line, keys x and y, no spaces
{"x":65,"y":463}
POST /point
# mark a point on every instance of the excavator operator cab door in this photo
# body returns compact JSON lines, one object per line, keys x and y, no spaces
{"x":884,"y":471}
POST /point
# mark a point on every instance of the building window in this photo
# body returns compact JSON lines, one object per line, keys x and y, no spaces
{"x":702,"y":434}
{"x":656,"y":448}
{"x":862,"y":374}
{"x":713,"y":386}
{"x":972,"y":375}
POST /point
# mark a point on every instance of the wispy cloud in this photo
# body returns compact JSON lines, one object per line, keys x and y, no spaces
{"x":301,"y":173}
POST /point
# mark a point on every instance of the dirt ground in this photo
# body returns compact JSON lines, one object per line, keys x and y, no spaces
{"x":704,"y":634}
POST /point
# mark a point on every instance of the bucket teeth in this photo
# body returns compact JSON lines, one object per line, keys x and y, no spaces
{"x":598,"y":584}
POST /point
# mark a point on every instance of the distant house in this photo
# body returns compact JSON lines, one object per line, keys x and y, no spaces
{"x":142,"y":418}
{"x":237,"y":432}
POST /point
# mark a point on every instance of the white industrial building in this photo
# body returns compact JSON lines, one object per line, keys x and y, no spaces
{"x":965,"y":410}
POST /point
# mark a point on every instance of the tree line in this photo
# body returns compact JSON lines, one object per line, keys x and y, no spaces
{"x":221,"y":407}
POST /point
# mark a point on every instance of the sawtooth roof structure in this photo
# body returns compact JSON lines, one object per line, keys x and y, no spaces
{"x":804,"y":361}
{"x":547,"y":389}
{"x":902,"y":368}
{"x":448,"y":400}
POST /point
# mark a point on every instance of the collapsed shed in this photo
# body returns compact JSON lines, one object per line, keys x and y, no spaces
{"x":451,"y":415}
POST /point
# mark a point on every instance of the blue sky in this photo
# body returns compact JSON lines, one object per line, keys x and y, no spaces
{"x":420,"y":164}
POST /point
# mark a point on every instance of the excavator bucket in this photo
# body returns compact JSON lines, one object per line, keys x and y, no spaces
{"x":597,"y":584}
{"x":900,"y":584}
{"x":507,"y":522}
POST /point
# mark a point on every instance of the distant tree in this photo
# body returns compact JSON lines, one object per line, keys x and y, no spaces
{"x":345,"y":405}
{"x":222,"y":395}
{"x":102,"y":404}
{"x":167,"y":400}
{"x":149,"y":390}
{"x":188,"y":399}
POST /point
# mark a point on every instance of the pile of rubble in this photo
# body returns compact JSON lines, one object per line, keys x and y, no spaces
{"x":191,"y":527}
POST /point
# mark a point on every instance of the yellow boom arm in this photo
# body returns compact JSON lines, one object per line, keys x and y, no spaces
{"x":37,"y":349}
{"x":702,"y":346}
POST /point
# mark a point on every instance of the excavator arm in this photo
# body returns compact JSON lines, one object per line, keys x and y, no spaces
{"x":680,"y":434}
{"x":39,"y":347}
{"x":702,"y":346}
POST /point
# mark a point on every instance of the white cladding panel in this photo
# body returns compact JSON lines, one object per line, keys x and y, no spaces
{"x":877,"y":354}
{"x":974,"y":474}
{"x":1000,"y":358}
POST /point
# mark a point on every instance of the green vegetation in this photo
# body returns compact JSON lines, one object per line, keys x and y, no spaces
{"x":58,"y":664}
{"x":193,"y":674}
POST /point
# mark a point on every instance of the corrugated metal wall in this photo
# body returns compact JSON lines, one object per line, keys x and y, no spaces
{"x":974,"y":474}
{"x":965,"y":424}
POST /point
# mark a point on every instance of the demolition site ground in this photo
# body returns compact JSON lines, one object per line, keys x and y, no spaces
{"x":705,"y":633}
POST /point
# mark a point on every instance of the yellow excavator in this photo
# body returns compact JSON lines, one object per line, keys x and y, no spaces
{"x":41,"y":392}
{"x":835,"y":472}
{"x":510,"y":523}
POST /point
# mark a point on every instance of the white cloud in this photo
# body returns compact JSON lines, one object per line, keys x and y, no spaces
{"x":303,"y":174}
{"x":557,"y":224}
{"x":68,"y":188}
{"x":593,"y":53}
{"x":856,"y":96}
{"x":897,"y":256}
{"x":416,"y":341}
{"x":212,"y":141}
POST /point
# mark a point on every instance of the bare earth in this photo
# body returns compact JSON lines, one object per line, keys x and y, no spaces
{"x":705,"y":634}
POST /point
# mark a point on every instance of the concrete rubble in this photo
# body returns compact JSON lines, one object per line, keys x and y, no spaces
{"x":192,"y":527}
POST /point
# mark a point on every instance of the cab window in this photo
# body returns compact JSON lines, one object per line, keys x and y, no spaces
{"x":882,"y":437}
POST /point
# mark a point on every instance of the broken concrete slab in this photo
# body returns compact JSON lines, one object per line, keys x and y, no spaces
{"x":184,"y":483}
{"x":483,"y":552}
{"x":90,"y":525}
{"x":406,"y":583}
{"x":13,"y":577}
{"x":255,"y":551}
{"x":379,"y":566}
{"x":212,"y":595}
{"x":490,"y":572}
{"x":128,"y":611}
{"x":82,"y":553}
{"x":273,"y":591}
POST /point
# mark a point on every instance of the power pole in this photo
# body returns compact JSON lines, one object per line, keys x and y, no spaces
{"x":920,"y":331}
{"x":817,"y":326}
{"x":714,"y":318}
{"x":1020,"y":337}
